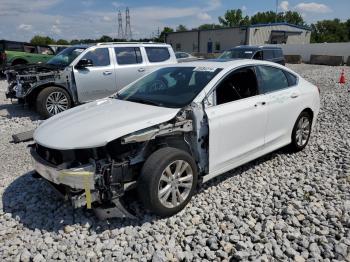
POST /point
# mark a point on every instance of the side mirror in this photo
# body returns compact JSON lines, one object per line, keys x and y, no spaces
{"x":83,"y":63}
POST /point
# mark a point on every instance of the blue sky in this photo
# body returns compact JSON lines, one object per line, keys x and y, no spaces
{"x":71,"y":19}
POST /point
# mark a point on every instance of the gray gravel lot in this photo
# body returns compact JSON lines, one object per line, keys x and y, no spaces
{"x":280,"y":207}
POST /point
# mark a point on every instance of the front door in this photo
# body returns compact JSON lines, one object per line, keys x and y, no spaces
{"x":237,"y":121}
{"x":97,"y":81}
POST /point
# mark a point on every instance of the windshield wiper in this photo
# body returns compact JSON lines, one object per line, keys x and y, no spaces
{"x":143,"y":101}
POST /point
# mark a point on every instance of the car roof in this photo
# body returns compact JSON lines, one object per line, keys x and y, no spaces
{"x":224,"y":63}
{"x":256,"y":47}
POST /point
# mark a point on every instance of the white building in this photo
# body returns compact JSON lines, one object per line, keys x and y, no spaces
{"x":218,"y":40}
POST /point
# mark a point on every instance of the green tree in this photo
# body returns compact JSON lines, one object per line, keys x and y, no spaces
{"x":234,"y":17}
{"x":164,"y":32}
{"x":105,"y":38}
{"x":42,"y":40}
{"x":209,"y":26}
{"x":62,"y":42}
{"x":294,"y":18}
{"x":329,"y":31}
{"x":181,"y":28}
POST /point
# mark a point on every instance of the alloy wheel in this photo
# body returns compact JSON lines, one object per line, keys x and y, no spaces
{"x":56,"y":102}
{"x":303,"y":131}
{"x":175,"y":184}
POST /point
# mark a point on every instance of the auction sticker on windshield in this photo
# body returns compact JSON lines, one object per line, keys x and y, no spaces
{"x":204,"y":69}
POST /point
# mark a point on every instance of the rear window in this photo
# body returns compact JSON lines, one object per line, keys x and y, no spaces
{"x":292,"y":79}
{"x":45,"y":50}
{"x":128,"y":55}
{"x":157,"y":54}
{"x":268,"y":54}
{"x":29,"y":49}
{"x":14,"y":47}
{"x":272,"y":79}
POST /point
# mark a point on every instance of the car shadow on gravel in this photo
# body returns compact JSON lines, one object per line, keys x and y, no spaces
{"x":34,"y":204}
{"x":18,"y":110}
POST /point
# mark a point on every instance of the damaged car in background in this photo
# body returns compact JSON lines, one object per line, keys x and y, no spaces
{"x":172,"y":130}
{"x":84,"y":73}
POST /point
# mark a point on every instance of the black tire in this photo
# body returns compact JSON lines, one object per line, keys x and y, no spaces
{"x":294,"y":145}
{"x":41,"y":100}
{"x":149,"y":180}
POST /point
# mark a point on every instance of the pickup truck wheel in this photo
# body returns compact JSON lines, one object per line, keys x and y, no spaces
{"x":167,"y":181}
{"x":52,"y":100}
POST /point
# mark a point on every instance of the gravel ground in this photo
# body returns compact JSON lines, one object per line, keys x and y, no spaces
{"x":280,"y":207}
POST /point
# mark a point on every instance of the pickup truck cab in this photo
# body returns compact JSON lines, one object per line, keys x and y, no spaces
{"x":84,"y":73}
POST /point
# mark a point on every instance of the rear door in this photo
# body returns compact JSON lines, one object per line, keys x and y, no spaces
{"x":129,"y":66}
{"x":282,"y":103}
{"x":237,"y":121}
{"x":99,"y":80}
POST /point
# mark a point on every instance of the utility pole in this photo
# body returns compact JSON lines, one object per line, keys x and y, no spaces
{"x":276,"y":11}
{"x":120,"y":26}
{"x":128,"y":34}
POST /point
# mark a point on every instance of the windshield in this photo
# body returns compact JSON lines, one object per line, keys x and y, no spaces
{"x":65,"y":57}
{"x":173,"y":87}
{"x":237,"y":53}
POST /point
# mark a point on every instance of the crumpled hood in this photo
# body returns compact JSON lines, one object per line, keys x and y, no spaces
{"x":97,"y":123}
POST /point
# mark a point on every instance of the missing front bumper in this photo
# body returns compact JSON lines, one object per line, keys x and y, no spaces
{"x":82,"y":180}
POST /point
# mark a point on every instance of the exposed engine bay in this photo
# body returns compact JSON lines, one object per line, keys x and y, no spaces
{"x":25,"y":80}
{"x":99,"y":177}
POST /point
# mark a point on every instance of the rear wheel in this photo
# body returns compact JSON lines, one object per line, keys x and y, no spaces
{"x":52,"y":100}
{"x":301,"y":132}
{"x":167,"y":181}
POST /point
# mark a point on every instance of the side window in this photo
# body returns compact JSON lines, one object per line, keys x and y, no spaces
{"x":278,"y":53}
{"x":157,"y":54}
{"x":14,"y":47}
{"x":128,"y":55}
{"x":44,"y":50}
{"x":240,"y":84}
{"x":99,"y":57}
{"x":29,"y":49}
{"x":292,"y":79}
{"x":258,"y":55}
{"x":268,"y":54}
{"x":272,"y":79}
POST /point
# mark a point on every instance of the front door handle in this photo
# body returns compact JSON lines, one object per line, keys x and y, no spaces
{"x":294,"y":95}
{"x":106,"y":73}
{"x":141,"y":69}
{"x":260,"y":103}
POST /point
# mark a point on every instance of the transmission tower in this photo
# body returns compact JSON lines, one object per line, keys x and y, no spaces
{"x":120,"y":26}
{"x":128,"y":34}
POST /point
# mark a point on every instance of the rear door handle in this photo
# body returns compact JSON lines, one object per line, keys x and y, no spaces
{"x":294,"y":95}
{"x":141,"y":69}
{"x":106,"y":73}
{"x":260,"y":103}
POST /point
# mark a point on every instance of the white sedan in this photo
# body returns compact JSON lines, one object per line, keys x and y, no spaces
{"x":175,"y":128}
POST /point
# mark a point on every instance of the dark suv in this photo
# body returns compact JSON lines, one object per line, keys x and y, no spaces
{"x":269,"y":53}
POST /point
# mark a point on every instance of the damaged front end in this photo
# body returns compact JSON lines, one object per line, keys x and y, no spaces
{"x":98,"y":178}
{"x":23,"y":79}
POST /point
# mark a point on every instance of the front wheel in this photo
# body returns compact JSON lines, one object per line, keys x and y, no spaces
{"x":52,"y":100}
{"x":167,"y":181}
{"x":301,"y":132}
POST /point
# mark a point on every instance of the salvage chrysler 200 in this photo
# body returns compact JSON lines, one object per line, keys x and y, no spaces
{"x":172,"y":130}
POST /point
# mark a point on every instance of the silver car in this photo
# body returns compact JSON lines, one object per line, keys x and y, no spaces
{"x":83,"y":73}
